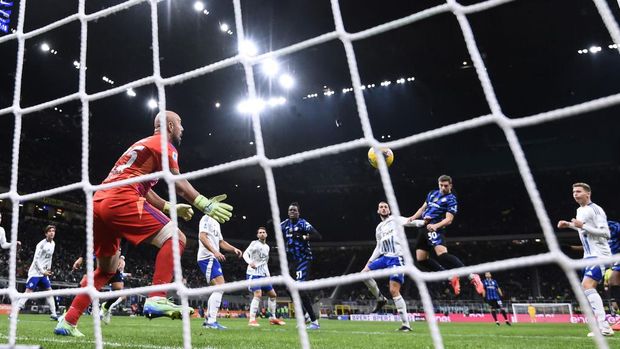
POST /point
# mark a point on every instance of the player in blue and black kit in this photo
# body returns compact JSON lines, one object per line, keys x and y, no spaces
{"x":297,"y":234}
{"x":614,"y":279}
{"x":438,"y":211}
{"x":492,"y":295}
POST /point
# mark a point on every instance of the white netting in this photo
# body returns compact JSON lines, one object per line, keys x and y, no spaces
{"x":542,"y":309}
{"x":507,"y":125}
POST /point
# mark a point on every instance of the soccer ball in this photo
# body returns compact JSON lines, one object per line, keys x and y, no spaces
{"x":387,"y":154}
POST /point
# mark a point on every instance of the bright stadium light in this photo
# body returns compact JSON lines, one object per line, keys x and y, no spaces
{"x":595,"y":49}
{"x":248,"y":48}
{"x":152,"y":103}
{"x":217,"y":104}
{"x":286,"y":81}
{"x":199,"y":6}
{"x":276,"y":101}
{"x":224,"y":27}
{"x":45,"y":47}
{"x":270,"y":67}
{"x":249,"y":106}
{"x":131,"y":92}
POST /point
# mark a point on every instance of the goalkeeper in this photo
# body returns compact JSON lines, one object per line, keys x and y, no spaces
{"x":136,"y":213}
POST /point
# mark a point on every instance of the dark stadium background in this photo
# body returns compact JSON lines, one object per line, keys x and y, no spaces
{"x":529,"y":47}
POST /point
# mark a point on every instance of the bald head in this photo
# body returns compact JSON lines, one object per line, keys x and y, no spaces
{"x":173,"y":124}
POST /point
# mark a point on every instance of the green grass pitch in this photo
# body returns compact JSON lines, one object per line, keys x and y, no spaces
{"x":140,"y":333}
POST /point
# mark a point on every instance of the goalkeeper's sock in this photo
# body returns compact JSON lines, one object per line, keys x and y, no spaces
{"x":81,"y":301}
{"x":374,"y":288}
{"x":596,"y":303}
{"x":254,"y":308}
{"x":450,"y":261}
{"x":401,"y":307}
{"x":164,"y":266}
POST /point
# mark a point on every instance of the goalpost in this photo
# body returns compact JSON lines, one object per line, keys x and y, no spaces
{"x":521,"y":312}
{"x":495,"y":117}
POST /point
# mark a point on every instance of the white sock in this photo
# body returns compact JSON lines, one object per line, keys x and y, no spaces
{"x":597,"y":307}
{"x":374,"y":288}
{"x":254,"y":308}
{"x":52,"y":303}
{"x":21,"y":303}
{"x":117,"y":302}
{"x":214,"y":306}
{"x":401,"y":306}
{"x":271,"y":304}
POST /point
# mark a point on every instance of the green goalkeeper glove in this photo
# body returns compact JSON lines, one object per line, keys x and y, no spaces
{"x":214,"y":207}
{"x":184,"y":211}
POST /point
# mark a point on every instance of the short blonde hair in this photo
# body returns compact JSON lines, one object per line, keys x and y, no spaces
{"x":585,"y":186}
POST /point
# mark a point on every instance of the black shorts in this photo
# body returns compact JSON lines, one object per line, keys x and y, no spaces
{"x":495,"y":304}
{"x":118,"y":277}
{"x":300,"y":270}
{"x":427,"y":240}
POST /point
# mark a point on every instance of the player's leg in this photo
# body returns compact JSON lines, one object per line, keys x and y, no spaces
{"x":614,"y":289}
{"x":422,"y":255}
{"x":399,"y":302}
{"x":451,"y":261}
{"x":107,"y":262}
{"x":271,"y":305}
{"x":31,"y":285}
{"x":257,"y":293}
{"x":592,"y":276}
{"x":505,"y":315}
{"x":494,"y":311}
{"x":215,"y":300}
{"x":107,"y":306}
{"x":47,"y":285}
{"x":302,"y":273}
{"x":372,"y":286}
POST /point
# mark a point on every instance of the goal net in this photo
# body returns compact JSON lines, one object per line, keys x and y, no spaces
{"x":542,"y":312}
{"x":495,"y":117}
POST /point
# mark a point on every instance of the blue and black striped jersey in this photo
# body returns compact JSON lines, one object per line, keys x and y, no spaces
{"x":438,"y":204}
{"x":296,"y":246}
{"x":491,"y":289}
{"x":614,"y":239}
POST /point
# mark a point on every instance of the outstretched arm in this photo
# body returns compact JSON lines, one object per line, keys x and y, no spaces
{"x":230,"y":248}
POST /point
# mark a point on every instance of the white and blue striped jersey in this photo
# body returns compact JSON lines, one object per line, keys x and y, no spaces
{"x":593,"y":216}
{"x":42,"y":260}
{"x":257,"y":253}
{"x":388,"y":242}
{"x":212,"y":228}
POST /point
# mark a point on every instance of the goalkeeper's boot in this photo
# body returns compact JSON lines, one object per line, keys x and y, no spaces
{"x":277,"y":322}
{"x":155,"y":307}
{"x":455,"y":282}
{"x":106,"y":314}
{"x":66,"y":329}
{"x":381,"y":302}
{"x":475,"y":280}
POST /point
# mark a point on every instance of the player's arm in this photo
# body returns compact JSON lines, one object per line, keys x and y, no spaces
{"x":121,"y":263}
{"x":443,"y":223}
{"x":207,"y":243}
{"x":501,"y":293}
{"x":78,"y":263}
{"x":36,"y":259}
{"x":312,"y":234}
{"x":375,"y":253}
{"x":247,"y":256}
{"x":419,"y":212}
{"x":230,"y":248}
{"x":213,"y":207}
{"x":3,"y":243}
{"x":600,"y":228}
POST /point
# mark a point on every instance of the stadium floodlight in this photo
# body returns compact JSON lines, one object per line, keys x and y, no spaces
{"x":224,"y":27}
{"x":131,"y":92}
{"x":199,"y":6}
{"x":45,"y":47}
{"x":217,"y":104}
{"x":251,"y":105}
{"x":276,"y":101}
{"x":286,"y":81}
{"x":152,"y":103}
{"x":248,"y":48}
{"x":270,"y":67}
{"x":594,"y":49}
